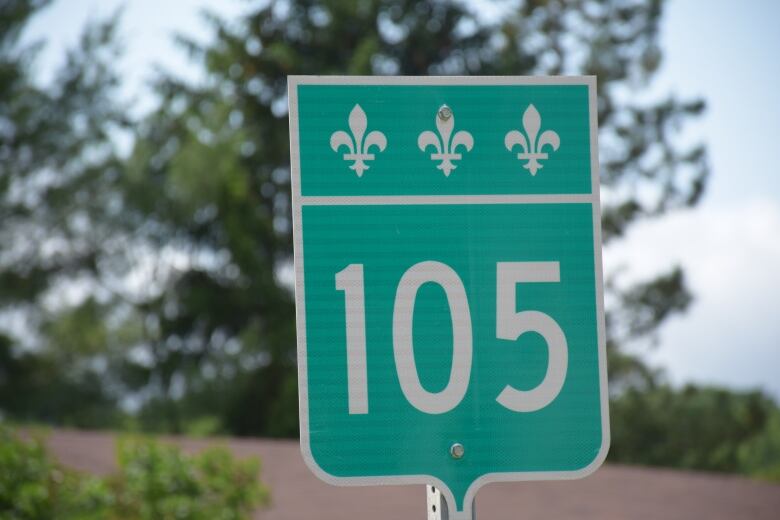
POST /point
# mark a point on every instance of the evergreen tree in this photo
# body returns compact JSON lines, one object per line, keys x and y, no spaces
{"x":210,"y":172}
{"x":56,"y":165}
{"x":162,"y":281}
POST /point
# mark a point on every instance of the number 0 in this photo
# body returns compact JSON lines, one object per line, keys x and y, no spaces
{"x":403,"y":348}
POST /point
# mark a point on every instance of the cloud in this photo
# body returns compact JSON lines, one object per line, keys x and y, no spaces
{"x":731,"y":256}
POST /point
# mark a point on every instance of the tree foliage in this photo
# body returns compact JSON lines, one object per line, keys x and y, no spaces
{"x":57,"y":166}
{"x":186,"y":245}
{"x":209,"y":175}
{"x":696,"y":428}
{"x":154,"y":290}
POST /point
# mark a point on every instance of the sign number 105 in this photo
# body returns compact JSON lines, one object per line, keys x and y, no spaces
{"x":510,"y":325}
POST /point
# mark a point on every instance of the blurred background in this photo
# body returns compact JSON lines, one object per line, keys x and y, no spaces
{"x":145,"y":236}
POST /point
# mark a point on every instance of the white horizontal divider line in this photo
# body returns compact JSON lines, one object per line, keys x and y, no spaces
{"x":355,"y":200}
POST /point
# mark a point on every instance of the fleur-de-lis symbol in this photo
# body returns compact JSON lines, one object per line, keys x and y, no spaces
{"x":358,"y":147}
{"x":532,"y":149}
{"x":445,"y":147}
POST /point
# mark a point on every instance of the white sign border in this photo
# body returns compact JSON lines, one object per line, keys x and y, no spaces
{"x":297,"y":202}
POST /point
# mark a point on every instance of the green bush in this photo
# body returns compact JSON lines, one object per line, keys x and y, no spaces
{"x":32,"y":486}
{"x":157,"y":481}
{"x":27,"y":478}
{"x":154,"y":482}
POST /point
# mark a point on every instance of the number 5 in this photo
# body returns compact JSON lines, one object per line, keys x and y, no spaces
{"x":511,"y":324}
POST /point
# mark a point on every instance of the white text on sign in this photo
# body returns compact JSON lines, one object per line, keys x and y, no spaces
{"x":510,"y":325}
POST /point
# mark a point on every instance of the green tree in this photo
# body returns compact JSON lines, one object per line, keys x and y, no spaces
{"x":703,"y":428}
{"x":760,"y":455}
{"x":182,"y":253}
{"x":57,"y":163}
{"x":180,"y":256}
{"x":210,"y":169}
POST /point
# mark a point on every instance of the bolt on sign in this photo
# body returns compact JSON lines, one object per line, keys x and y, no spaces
{"x":448,"y":280}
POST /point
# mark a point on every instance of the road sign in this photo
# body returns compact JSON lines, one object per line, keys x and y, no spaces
{"x":448,"y":280}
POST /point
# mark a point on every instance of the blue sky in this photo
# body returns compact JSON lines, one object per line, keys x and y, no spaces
{"x":729,"y":245}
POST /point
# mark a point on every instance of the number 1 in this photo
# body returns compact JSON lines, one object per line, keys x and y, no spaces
{"x":350,"y":280}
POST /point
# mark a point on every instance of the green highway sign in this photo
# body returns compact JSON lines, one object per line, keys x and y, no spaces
{"x":448,"y":280}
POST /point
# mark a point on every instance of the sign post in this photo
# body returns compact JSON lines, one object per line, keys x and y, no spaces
{"x":448,"y":280}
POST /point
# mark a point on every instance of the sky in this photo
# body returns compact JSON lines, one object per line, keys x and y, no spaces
{"x":729,"y":245}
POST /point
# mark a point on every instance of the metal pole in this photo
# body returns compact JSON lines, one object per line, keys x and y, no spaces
{"x":437,"y":505}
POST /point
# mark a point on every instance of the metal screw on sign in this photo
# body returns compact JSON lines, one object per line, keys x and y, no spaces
{"x":457,"y":450}
{"x":448,"y":141}
{"x":445,"y":113}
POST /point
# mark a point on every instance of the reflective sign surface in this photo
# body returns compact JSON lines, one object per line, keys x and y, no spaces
{"x":448,"y":280}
